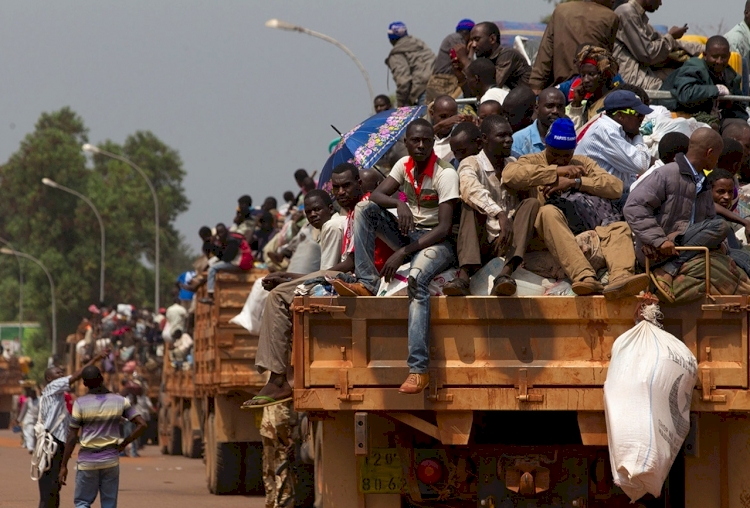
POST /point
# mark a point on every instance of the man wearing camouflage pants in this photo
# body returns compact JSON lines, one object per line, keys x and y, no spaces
{"x":275,"y":430}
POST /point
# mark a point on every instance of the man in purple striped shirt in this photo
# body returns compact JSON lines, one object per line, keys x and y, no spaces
{"x":96,"y":420}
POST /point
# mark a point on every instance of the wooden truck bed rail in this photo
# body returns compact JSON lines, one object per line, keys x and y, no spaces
{"x":224,"y":353}
{"x":486,"y":353}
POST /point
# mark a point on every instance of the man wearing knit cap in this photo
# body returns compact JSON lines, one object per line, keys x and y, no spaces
{"x":576,"y":195}
{"x":410,"y":62}
{"x":443,"y":80}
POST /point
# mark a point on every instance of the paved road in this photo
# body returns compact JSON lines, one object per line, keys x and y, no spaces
{"x":153,"y":480}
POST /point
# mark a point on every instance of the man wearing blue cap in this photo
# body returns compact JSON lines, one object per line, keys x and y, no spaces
{"x":443,"y":80}
{"x":614,"y":141}
{"x":410,"y":62}
{"x":576,"y":195}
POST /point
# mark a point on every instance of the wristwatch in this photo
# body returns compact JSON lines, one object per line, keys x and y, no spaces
{"x":578,"y":183}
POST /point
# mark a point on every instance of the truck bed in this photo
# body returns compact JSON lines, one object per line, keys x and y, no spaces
{"x":516,"y":353}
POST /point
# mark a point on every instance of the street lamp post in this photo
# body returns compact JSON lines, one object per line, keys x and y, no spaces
{"x":11,"y":252}
{"x":283,"y":25}
{"x":55,"y":185}
{"x":20,"y":291}
{"x":96,"y":150}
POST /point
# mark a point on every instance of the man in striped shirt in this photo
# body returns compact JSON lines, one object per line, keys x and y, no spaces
{"x":96,"y":421}
{"x":54,"y":415}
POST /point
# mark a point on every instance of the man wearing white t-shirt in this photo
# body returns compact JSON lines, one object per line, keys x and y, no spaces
{"x":422,"y":231}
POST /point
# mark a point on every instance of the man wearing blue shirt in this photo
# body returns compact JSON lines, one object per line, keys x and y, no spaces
{"x":183,"y":281}
{"x":550,"y":107}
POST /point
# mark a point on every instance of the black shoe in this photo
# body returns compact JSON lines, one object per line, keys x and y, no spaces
{"x":457,"y":287}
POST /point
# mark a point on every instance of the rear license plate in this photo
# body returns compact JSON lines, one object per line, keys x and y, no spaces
{"x":380,"y":472}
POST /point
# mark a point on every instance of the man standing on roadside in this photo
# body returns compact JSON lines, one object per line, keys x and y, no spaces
{"x":96,"y":419}
{"x":55,"y":417}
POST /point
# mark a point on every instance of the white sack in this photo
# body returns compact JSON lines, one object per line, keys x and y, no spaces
{"x":399,"y":283}
{"x":647,"y":397}
{"x":252,"y":311}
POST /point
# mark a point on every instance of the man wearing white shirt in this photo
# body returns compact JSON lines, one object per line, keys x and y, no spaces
{"x":444,"y":116}
{"x":670,"y":145}
{"x":614,"y":141}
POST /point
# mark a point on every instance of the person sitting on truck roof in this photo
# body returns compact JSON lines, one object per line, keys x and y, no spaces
{"x":739,"y":131}
{"x":480,"y":81}
{"x":444,"y":116}
{"x":575,"y":196}
{"x":488,"y":228}
{"x":572,"y":24}
{"x":674,"y":207}
{"x":519,"y":107}
{"x":245,"y":218}
{"x":410,"y":62}
{"x":274,"y":342}
{"x":233,"y":255}
{"x":614,"y":141}
{"x":549,"y":107}
{"x":670,"y":145}
{"x":739,"y":35}
{"x":646,"y":56}
{"x":444,"y":80}
{"x":723,"y":191}
{"x":421,"y":232}
{"x":263,"y":234}
{"x":382,"y":103}
{"x":511,"y":67}
{"x":697,"y":85}
{"x":466,"y":141}
{"x":489,"y":107}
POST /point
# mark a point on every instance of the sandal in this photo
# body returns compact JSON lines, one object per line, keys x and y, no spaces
{"x":667,"y":293}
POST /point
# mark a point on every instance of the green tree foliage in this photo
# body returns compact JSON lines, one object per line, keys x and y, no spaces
{"x":62,"y":231}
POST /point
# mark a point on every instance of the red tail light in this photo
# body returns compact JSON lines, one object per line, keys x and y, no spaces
{"x":429,"y":471}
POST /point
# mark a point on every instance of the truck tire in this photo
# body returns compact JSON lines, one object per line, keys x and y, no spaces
{"x":173,"y":434}
{"x":192,"y":445}
{"x":253,"y":462}
{"x":223,"y":463}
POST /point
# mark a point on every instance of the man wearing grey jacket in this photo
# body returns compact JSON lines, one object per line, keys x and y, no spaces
{"x":411,"y":63}
{"x":673,"y":207}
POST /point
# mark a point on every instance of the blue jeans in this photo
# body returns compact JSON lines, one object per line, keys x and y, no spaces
{"x":709,"y":233}
{"x":97,"y":481}
{"x":371,"y":221}
{"x":216,"y":267}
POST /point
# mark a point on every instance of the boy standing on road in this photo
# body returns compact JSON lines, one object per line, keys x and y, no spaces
{"x":96,"y":419}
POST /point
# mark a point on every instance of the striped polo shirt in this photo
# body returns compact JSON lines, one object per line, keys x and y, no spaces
{"x":98,"y":416}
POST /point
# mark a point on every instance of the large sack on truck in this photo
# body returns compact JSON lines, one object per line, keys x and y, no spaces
{"x":647,"y":397}
{"x":252,"y":311}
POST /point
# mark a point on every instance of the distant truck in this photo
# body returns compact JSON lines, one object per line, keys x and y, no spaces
{"x":10,"y":386}
{"x":200,"y":408}
{"x":513,"y":415}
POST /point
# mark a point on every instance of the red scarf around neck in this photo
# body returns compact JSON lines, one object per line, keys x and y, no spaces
{"x":410,"y":165}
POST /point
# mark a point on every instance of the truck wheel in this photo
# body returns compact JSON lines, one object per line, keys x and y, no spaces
{"x":191,"y":445}
{"x":223,"y":463}
{"x":253,"y":458}
{"x":174,"y":436}
{"x":163,"y":433}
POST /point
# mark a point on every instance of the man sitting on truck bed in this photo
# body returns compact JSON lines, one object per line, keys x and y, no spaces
{"x":274,"y":342}
{"x":488,"y":228}
{"x":674,"y":207}
{"x":575,"y":195}
{"x":421,"y":232}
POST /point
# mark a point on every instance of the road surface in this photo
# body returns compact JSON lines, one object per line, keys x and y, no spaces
{"x":153,"y":480}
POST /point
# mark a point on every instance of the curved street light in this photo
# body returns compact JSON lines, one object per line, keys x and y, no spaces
{"x":55,"y":185}
{"x":12,"y":252}
{"x":283,"y":25}
{"x":20,"y":290}
{"x":96,"y":150}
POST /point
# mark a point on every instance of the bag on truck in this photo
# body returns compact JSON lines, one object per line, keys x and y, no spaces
{"x":252,"y":311}
{"x":647,"y":397}
{"x":399,"y":284}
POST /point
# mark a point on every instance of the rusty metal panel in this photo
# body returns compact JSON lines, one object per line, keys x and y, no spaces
{"x":502,"y":353}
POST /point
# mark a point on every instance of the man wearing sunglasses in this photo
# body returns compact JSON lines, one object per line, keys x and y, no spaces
{"x":614,"y":141}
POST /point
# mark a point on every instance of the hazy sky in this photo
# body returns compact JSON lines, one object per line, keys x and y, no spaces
{"x":243,"y":104}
